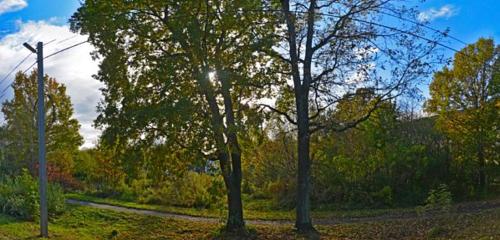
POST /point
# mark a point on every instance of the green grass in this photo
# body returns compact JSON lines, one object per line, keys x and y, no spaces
{"x":254,"y":209}
{"x":88,"y":223}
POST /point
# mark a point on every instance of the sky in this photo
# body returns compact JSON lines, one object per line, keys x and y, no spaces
{"x":47,"y":20}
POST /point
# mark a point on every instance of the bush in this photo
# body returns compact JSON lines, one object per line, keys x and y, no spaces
{"x":191,"y":190}
{"x":56,"y":199}
{"x":439,"y":197}
{"x":19,"y":197}
{"x":283,"y":193}
{"x":383,"y":198}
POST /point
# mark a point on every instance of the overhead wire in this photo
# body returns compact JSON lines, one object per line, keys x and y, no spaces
{"x":32,"y":65}
{"x":445,"y":34}
{"x":21,"y":62}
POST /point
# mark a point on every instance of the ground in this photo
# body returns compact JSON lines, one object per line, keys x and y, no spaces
{"x":83,"y":222}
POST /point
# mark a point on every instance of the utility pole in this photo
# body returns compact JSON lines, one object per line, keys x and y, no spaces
{"x":42,"y":165}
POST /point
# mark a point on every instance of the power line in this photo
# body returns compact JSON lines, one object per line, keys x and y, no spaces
{"x":55,"y":53}
{"x":393,"y":29}
{"x":275,"y":10}
{"x":67,"y":39}
{"x":48,"y":56}
{"x":406,"y":32}
{"x":445,"y":34}
{"x":423,"y":25}
{"x":22,"y":61}
{"x":14,"y":69}
{"x":64,"y":49}
{"x":49,"y":42}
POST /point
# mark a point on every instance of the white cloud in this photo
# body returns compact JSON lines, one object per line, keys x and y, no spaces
{"x":431,"y":14}
{"x":12,"y":5}
{"x":74,"y":67}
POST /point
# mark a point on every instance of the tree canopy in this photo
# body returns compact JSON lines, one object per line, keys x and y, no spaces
{"x":465,"y":97}
{"x":62,"y":129}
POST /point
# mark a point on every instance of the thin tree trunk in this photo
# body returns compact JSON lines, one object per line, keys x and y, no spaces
{"x":482,"y":170}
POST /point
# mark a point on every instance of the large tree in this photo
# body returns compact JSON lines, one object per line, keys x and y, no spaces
{"x":333,"y":48}
{"x":181,"y":74}
{"x":62,"y":130}
{"x":466,"y":98}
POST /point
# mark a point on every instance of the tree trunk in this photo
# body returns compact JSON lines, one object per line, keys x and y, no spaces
{"x":235,"y":222}
{"x":303,"y":221}
{"x":482,"y":170}
{"x":229,"y":152}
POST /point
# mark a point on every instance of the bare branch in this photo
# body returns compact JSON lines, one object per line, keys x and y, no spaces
{"x":288,"y":117}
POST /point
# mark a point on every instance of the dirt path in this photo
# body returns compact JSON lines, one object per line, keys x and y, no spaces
{"x":464,"y":208}
{"x":164,"y":214}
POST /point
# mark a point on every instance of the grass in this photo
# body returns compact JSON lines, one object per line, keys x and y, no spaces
{"x":89,"y":223}
{"x":254,"y":209}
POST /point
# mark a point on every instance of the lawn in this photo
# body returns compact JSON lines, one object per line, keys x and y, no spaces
{"x":89,"y":223}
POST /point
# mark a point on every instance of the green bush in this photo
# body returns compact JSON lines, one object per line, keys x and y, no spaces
{"x":19,"y":197}
{"x":191,"y":190}
{"x":56,"y":199}
{"x":283,"y":193}
{"x":383,"y":198}
{"x":439,"y":197}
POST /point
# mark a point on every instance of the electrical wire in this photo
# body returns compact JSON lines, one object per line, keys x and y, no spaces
{"x":48,"y":56}
{"x":14,"y":69}
{"x":55,"y":53}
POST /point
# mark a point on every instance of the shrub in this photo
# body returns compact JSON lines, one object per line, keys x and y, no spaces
{"x":439,"y":197}
{"x":19,"y":197}
{"x":383,"y":197}
{"x":191,"y":190}
{"x":283,"y":193}
{"x":56,"y":199}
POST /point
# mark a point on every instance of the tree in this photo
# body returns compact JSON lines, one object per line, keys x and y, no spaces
{"x":181,"y":74}
{"x":62,"y":136}
{"x":334,"y":48}
{"x":465,"y":97}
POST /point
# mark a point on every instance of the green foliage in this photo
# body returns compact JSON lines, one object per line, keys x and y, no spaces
{"x":465,"y":97}
{"x":191,"y":190}
{"x":62,"y":136}
{"x":19,"y":197}
{"x":390,"y":160}
{"x":56,"y":198}
{"x":439,"y":197}
{"x":384,"y":196}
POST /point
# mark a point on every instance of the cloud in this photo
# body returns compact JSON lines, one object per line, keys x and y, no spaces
{"x":12,"y":5}
{"x":431,"y":14}
{"x":74,"y":67}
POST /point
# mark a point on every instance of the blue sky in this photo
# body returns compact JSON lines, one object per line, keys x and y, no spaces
{"x":55,"y":11}
{"x":468,"y":20}
{"x":44,"y":20}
